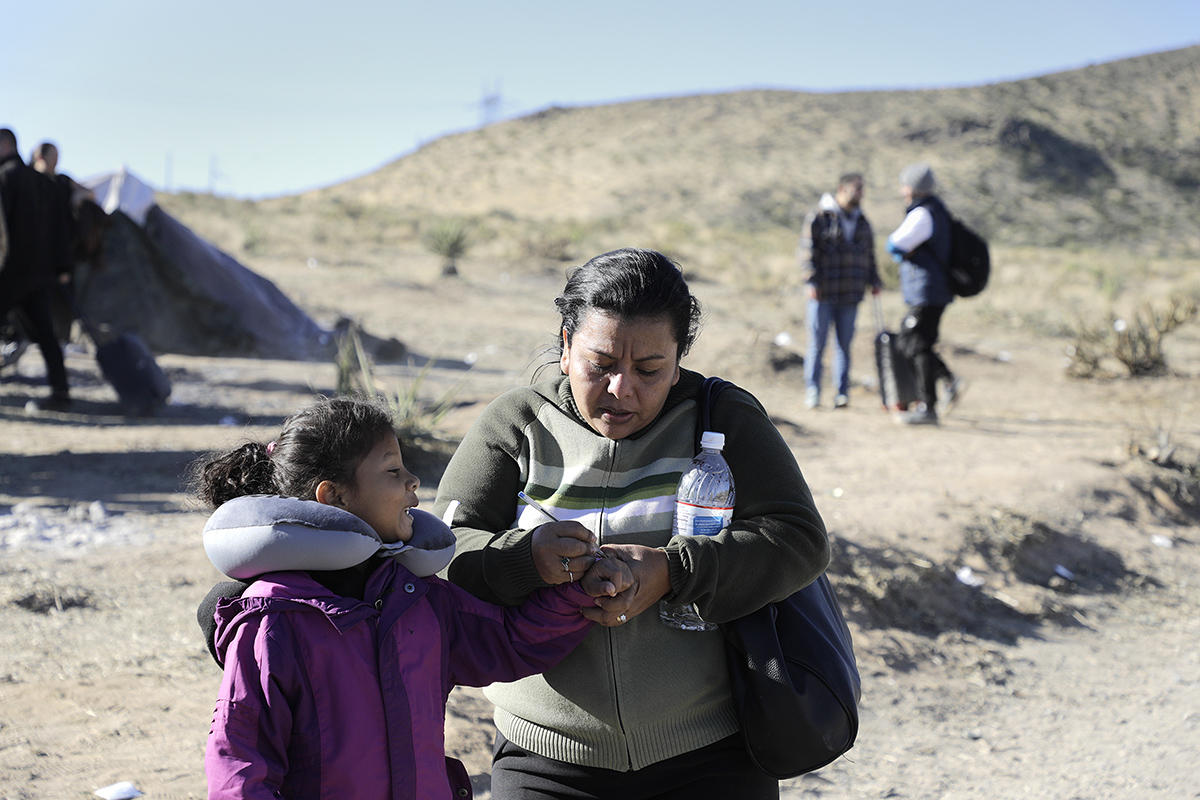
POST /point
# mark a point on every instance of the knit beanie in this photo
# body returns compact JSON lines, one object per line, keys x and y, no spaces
{"x":919,"y":177}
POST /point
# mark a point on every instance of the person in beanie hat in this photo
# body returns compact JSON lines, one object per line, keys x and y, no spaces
{"x":921,"y":245}
{"x":919,"y":177}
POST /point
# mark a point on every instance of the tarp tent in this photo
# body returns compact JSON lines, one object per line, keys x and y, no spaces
{"x":182,"y":294}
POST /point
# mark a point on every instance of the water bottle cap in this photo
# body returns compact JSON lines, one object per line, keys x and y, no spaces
{"x":712,"y":440}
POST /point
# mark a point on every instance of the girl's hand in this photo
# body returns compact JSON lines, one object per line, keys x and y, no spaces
{"x":562,"y":551}
{"x":651,"y":582}
{"x":607,"y":577}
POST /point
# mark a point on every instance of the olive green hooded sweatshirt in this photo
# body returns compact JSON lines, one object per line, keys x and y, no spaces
{"x":642,"y":692}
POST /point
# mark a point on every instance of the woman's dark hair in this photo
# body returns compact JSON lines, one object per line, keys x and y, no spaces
{"x":630,"y":284}
{"x":325,"y":441}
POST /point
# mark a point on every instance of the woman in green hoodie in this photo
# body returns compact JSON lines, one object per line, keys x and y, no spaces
{"x":640,"y":709}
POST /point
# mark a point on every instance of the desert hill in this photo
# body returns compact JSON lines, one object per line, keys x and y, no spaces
{"x":1103,"y":149}
{"x":1104,"y":156}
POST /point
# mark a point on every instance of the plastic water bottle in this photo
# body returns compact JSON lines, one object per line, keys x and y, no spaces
{"x":703,"y":507}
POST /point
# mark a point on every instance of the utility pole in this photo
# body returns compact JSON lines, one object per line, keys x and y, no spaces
{"x":214,"y":174}
{"x":490,"y":105}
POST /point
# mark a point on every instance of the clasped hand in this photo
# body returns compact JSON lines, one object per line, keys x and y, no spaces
{"x":624,"y":579}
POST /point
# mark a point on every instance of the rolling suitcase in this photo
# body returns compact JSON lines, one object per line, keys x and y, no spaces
{"x":897,"y":386}
{"x":128,"y":365}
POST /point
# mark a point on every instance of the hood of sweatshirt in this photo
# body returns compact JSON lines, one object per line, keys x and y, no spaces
{"x":829,"y":203}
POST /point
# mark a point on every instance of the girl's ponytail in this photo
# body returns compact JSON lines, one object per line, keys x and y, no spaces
{"x":324,"y":441}
{"x":246,"y":470}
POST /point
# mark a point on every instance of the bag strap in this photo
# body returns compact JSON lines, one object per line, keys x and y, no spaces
{"x":709,"y":390}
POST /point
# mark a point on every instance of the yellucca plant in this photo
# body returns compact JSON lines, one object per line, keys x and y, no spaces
{"x":413,"y":417}
{"x":450,"y":239}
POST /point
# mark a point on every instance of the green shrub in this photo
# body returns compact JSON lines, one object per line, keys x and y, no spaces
{"x":255,"y":239}
{"x":450,"y":239}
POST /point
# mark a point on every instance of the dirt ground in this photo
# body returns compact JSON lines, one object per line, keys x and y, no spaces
{"x":1021,"y":582}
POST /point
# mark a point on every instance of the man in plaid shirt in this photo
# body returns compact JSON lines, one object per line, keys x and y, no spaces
{"x":837,"y":251}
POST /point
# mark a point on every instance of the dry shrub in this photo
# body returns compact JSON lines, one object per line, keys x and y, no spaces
{"x":1136,"y":343}
{"x":555,"y":242}
{"x":1166,"y":474}
{"x":415,"y":418}
{"x":1161,"y":447}
{"x":46,"y":598}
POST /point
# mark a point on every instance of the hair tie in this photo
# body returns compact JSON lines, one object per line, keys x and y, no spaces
{"x":270,"y":447}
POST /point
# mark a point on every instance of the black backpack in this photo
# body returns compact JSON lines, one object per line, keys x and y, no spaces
{"x":970,"y":262}
{"x":792,"y":671}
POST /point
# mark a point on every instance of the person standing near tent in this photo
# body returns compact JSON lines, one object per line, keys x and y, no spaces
{"x":28,"y":261}
{"x":837,"y":249}
{"x":68,"y":198}
{"x":45,"y":161}
{"x":921,"y":245}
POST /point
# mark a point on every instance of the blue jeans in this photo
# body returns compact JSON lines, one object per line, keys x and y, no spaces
{"x":820,"y":317}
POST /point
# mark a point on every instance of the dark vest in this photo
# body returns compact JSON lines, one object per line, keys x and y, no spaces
{"x":923,"y":273}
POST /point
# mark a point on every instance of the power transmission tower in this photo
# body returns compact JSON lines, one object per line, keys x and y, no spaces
{"x":214,"y":174}
{"x":491,"y":103}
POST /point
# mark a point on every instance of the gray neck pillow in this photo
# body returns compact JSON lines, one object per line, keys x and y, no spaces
{"x":252,"y":535}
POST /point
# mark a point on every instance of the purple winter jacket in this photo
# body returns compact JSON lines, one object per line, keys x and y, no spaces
{"x":326,"y":696}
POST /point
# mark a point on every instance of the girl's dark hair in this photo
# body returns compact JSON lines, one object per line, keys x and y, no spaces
{"x":325,"y":441}
{"x":629,"y":284}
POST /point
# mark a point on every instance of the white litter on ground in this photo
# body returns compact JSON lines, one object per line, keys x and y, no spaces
{"x":124,"y":790}
{"x":28,"y":526}
{"x":967,"y":576}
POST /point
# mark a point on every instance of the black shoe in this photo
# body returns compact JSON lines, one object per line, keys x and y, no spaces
{"x":57,"y":401}
{"x":952,"y":393}
{"x":921,"y":415}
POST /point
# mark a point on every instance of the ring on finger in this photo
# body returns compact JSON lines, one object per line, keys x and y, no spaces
{"x":622,"y":618}
{"x":566,"y":562}
{"x":570,"y":576}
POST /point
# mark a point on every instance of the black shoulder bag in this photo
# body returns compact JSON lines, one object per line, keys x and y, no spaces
{"x":792,"y":670}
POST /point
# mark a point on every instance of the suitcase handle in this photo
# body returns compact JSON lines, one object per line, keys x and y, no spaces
{"x":879,"y":326}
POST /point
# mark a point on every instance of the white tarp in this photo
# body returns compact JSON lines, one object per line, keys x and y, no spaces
{"x":183,"y":294}
{"x":122,"y":190}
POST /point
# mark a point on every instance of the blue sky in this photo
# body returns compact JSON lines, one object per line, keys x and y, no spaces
{"x":262,"y":98}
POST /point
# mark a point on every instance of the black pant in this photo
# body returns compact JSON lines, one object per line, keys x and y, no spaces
{"x":39,"y":326}
{"x":918,"y":335}
{"x":717,"y":772}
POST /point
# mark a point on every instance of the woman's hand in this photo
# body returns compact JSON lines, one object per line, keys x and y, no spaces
{"x":562,"y":551}
{"x":651,"y":582}
{"x":608,"y":576}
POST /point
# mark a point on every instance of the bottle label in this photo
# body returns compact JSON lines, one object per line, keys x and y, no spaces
{"x":693,"y":520}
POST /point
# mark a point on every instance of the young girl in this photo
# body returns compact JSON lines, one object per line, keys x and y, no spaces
{"x":335,"y":681}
